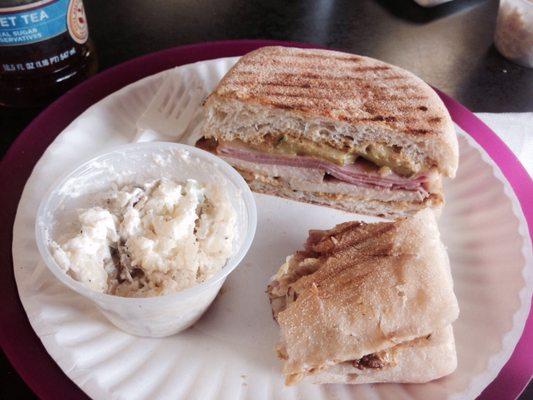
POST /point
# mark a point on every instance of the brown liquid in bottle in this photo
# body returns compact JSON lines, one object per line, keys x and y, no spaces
{"x":44,"y":50}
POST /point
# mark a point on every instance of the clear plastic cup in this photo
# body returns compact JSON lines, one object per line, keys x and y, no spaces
{"x":135,"y":164}
{"x":514,"y":31}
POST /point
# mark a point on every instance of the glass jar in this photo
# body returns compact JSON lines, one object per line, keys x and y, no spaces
{"x":514,"y":31}
{"x":44,"y":50}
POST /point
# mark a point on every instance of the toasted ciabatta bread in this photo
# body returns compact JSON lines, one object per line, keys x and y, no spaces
{"x":362,"y":299}
{"x":339,"y":108}
{"x":417,"y":361}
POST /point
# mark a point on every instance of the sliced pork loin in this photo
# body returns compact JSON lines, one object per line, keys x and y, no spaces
{"x":360,"y":173}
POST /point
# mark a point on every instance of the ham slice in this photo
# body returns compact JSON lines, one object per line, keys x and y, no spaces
{"x":358,"y":173}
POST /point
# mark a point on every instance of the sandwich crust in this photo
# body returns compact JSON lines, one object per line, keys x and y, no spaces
{"x":365,"y":202}
{"x":334,"y":97}
{"x":359,"y":289}
{"x":417,"y":361}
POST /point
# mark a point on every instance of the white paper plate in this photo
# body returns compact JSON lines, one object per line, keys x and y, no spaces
{"x":229,"y":353}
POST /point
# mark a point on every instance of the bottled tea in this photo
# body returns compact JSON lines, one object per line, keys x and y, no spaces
{"x":44,"y":50}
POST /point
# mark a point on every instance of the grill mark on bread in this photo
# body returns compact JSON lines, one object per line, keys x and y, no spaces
{"x":371,"y":68}
{"x":310,"y":75}
{"x":290,"y":63}
{"x":288,"y":75}
{"x":311,"y":93}
{"x":347,"y":280}
{"x":387,"y":118}
{"x":393,"y":78}
{"x":331,"y":87}
{"x":316,"y":237}
{"x":394,"y":93}
{"x":352,"y":58}
{"x":335,"y":85}
{"x":338,"y":56}
{"x":339,"y":93}
{"x":346,"y":235}
{"x":406,"y":123}
{"x":306,"y":83}
{"x":390,"y":118}
{"x":294,"y":106}
{"x":376,"y":87}
{"x":311,"y":68}
{"x":302,"y":94}
{"x":335,"y":251}
{"x":338,"y":276}
{"x":404,"y":87}
{"x":281,"y":93}
{"x":403,"y":97}
{"x":407,"y":109}
{"x":309,"y":90}
{"x":291,"y":79}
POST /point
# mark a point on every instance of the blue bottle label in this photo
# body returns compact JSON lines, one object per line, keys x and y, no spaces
{"x":32,"y":23}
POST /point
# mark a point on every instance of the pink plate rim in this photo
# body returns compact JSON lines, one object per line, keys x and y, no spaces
{"x":20,"y":343}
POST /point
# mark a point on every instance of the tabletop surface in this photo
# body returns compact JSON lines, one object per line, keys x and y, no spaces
{"x":450,"y":47}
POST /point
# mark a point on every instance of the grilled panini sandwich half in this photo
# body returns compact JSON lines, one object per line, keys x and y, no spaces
{"x":332,"y":128}
{"x":367,"y":303}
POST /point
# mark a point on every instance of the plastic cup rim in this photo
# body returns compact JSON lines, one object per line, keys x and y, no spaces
{"x":191,"y":292}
